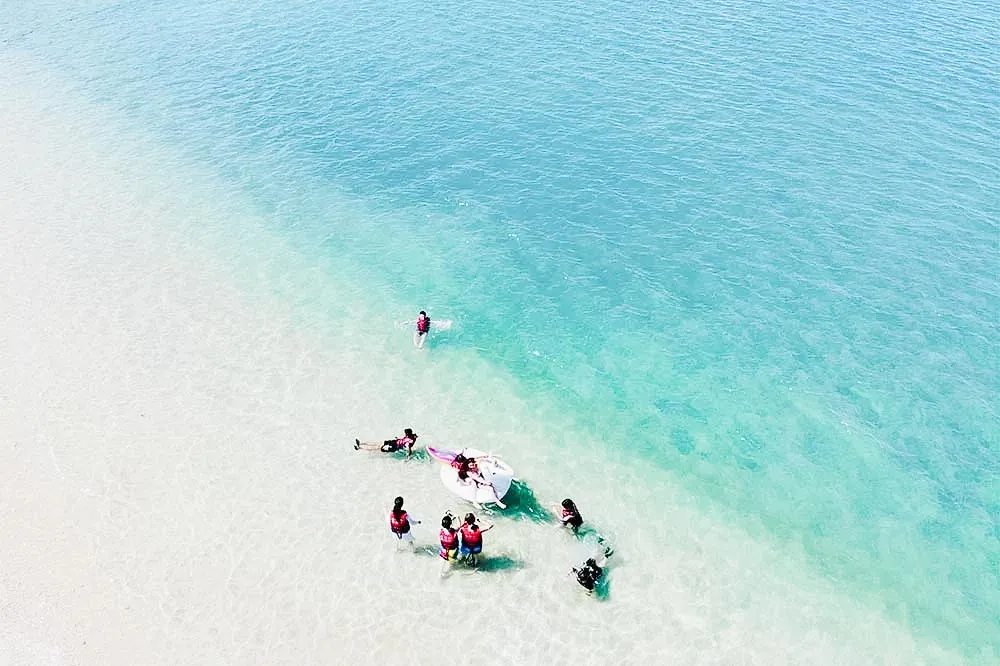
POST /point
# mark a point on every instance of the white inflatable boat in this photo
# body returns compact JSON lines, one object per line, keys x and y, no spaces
{"x":487,"y":486}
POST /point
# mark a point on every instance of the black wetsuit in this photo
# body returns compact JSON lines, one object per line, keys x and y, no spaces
{"x":589,"y":575}
{"x":574,"y":519}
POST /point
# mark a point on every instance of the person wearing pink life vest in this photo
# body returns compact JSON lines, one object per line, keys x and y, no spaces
{"x":404,"y":442}
{"x":465,"y":466}
{"x":423,"y":328}
{"x":399,"y":521}
{"x":449,"y":540}
{"x":472,"y":539}
{"x":570,"y":515}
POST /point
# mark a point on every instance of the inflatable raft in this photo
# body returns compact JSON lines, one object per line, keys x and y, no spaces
{"x":488,"y":486}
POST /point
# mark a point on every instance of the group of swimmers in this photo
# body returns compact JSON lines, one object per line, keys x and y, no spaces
{"x":462,"y":541}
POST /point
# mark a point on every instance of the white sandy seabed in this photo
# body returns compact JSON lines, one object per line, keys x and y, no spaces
{"x":176,"y":480}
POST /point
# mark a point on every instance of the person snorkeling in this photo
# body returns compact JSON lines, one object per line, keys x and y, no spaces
{"x":423,"y":328}
{"x":404,"y":442}
{"x":472,"y":539}
{"x":449,"y":539}
{"x":399,"y":522}
{"x":591,"y":573}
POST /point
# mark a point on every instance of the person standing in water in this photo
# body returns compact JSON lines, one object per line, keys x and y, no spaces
{"x":404,"y":442}
{"x":590,"y":574}
{"x":399,"y":522}
{"x":449,"y":540}
{"x":423,"y":328}
{"x":571,"y":517}
{"x":472,"y":539}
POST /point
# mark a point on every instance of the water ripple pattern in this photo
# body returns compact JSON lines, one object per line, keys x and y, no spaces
{"x":751,"y":246}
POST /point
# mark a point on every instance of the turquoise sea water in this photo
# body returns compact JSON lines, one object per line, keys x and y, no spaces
{"x":753,"y":247}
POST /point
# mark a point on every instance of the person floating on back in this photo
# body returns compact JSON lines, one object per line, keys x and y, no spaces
{"x":404,"y":442}
{"x":472,"y":539}
{"x":399,"y":522}
{"x":423,"y":328}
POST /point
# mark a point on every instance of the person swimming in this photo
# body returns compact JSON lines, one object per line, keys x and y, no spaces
{"x":404,"y":442}
{"x":472,"y":539}
{"x":423,"y":328}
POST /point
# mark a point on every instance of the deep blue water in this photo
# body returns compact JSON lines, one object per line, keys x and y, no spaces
{"x":757,"y":241}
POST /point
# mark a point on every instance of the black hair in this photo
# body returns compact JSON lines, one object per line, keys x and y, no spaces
{"x":409,"y":433}
{"x":568,"y":504}
{"x":397,"y":506}
{"x":470,"y":519}
{"x":423,"y":313}
{"x":446,"y":521}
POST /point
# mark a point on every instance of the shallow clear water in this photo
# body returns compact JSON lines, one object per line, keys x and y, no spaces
{"x":748,"y":252}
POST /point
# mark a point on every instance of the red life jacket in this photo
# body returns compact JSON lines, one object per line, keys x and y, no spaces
{"x":423,"y":325}
{"x":399,"y":525}
{"x":449,"y":539}
{"x":403,"y":442}
{"x":471,"y":537}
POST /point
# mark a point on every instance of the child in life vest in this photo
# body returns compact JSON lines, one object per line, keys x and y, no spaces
{"x":570,"y":515}
{"x":449,"y":540}
{"x":423,"y":328}
{"x":465,"y":467}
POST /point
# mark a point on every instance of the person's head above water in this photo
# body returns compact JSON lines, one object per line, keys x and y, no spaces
{"x":446,"y":522}
{"x":592,"y":563}
{"x":470,"y":519}
{"x":423,"y":314}
{"x":568,"y":504}
{"x":409,"y":433}
{"x":397,"y":504}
